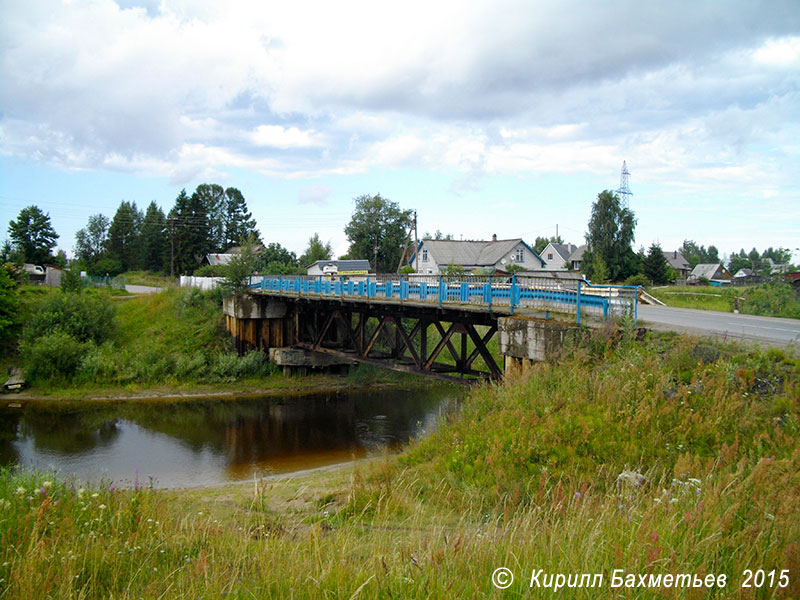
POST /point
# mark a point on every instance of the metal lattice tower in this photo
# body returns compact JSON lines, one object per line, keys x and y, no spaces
{"x":624,"y":192}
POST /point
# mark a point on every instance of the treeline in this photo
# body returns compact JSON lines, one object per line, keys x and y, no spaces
{"x":211,"y":220}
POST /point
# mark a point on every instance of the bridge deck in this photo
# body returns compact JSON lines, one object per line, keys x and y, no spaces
{"x":492,"y":294}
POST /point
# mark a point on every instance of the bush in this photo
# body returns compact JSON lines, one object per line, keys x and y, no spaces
{"x":770,"y":299}
{"x":211,"y":271}
{"x":638,"y":279}
{"x":84,"y":317}
{"x":9,"y":302}
{"x":53,"y":355}
{"x":71,"y":281}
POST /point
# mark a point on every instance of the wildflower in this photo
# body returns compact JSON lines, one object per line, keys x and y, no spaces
{"x":95,"y":495}
{"x":578,"y":495}
{"x":102,"y":506}
{"x":657,"y":500}
{"x":47,"y":485}
{"x":81,"y":491}
{"x":20,"y":491}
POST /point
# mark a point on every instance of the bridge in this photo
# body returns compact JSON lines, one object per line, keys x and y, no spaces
{"x":462,"y":329}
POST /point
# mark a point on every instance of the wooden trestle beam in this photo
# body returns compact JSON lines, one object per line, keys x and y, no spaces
{"x":399,"y":337}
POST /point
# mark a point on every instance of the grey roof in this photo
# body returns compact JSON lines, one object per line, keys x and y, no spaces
{"x":358,"y":264}
{"x":707,"y":270}
{"x":577,"y":254}
{"x":564,"y":250}
{"x":676,"y":260}
{"x":219,"y":259}
{"x":743,"y":272}
{"x":470,"y":253}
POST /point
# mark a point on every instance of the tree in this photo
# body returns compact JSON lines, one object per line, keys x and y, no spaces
{"x":124,"y":236}
{"x":437,"y":236}
{"x":238,"y":221}
{"x":739,"y":261}
{"x":599,"y":269}
{"x":610,"y":235}
{"x":212,"y":197}
{"x":541,"y":242}
{"x":33,"y":235}
{"x":9,"y":303}
{"x":315,"y":251}
{"x":378,"y":231}
{"x":90,"y":242}
{"x":154,"y":238}
{"x":241,"y":266}
{"x":655,"y":265}
{"x":277,"y":260}
{"x":188,"y":230}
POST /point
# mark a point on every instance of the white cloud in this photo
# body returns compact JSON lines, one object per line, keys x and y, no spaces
{"x":310,"y":90}
{"x":282,"y":137}
{"x":315,"y":194}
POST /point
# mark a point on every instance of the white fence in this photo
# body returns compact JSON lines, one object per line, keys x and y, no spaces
{"x":204,"y":283}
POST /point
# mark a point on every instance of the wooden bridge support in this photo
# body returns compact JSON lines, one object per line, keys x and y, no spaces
{"x":453,"y":343}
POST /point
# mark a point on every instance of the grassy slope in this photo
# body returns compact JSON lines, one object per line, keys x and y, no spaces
{"x":773,"y":300}
{"x":524,"y":478}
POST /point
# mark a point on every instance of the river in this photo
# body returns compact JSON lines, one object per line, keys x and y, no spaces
{"x":215,"y":441}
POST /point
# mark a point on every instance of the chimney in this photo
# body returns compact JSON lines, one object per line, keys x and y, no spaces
{"x":675,"y":254}
{"x":494,"y":237}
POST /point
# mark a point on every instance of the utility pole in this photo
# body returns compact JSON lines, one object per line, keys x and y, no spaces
{"x":416,"y":245}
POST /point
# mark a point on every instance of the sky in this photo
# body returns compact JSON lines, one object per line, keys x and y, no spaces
{"x":486,"y":117}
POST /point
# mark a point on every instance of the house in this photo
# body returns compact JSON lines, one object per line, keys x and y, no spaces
{"x":772,"y":267}
{"x":745,"y":276}
{"x":223,"y":258}
{"x":216,"y":260}
{"x":434,"y":256}
{"x":576,"y":258}
{"x":716,"y":273}
{"x":676,"y":260}
{"x":339,"y":267}
{"x":556,"y":256}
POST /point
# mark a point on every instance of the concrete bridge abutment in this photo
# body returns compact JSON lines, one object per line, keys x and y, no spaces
{"x":524,"y":340}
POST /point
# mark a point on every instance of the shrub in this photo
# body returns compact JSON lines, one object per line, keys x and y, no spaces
{"x":84,"y":317}
{"x":638,"y":279}
{"x":71,"y":281}
{"x":99,"y":363}
{"x":53,"y":355}
{"x":9,"y":302}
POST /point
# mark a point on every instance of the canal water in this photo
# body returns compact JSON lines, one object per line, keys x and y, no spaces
{"x":207,"y":442}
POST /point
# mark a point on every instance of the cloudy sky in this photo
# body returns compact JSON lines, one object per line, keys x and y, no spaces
{"x":486,"y":117}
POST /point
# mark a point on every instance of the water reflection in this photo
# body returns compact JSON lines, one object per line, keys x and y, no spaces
{"x":213,"y":441}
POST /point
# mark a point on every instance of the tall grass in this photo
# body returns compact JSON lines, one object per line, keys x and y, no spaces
{"x":769,"y":299}
{"x":526,"y":477}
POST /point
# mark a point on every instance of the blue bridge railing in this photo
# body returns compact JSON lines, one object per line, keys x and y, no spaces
{"x":572,"y":296}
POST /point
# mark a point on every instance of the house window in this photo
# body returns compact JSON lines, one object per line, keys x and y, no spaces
{"x":549,"y":256}
{"x":424,"y":255}
{"x":518,"y":255}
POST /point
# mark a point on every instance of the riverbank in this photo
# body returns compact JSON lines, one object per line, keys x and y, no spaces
{"x":275,"y":384}
{"x":664,"y":459}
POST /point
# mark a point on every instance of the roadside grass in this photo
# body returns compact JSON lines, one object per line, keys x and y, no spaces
{"x":526,"y":476}
{"x":149,"y":278}
{"x":694,"y":296}
{"x":770,"y":300}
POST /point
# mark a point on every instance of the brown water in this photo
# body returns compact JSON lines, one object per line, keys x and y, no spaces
{"x":208,"y":442}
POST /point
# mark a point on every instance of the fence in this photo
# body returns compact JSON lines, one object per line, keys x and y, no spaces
{"x":576,"y":297}
{"x":99,"y":281}
{"x":204,"y":283}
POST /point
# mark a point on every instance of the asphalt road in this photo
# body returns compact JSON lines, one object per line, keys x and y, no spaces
{"x":769,"y":330}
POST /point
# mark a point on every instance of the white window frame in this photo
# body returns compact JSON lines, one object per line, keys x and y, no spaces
{"x":519,"y":255}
